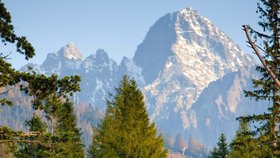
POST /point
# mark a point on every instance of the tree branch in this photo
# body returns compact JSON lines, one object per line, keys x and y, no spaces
{"x":256,"y":50}
{"x":28,"y":134}
{"x":5,"y":92}
{"x":21,"y":138}
{"x":5,"y":56}
{"x":26,"y":141}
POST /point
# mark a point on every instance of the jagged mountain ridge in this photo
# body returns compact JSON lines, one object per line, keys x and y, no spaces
{"x":97,"y":72}
{"x":180,"y":56}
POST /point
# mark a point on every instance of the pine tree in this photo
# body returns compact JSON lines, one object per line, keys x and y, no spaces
{"x":126,"y":130}
{"x":64,"y":141}
{"x":31,"y":149}
{"x":69,"y":142}
{"x":267,"y":88}
{"x":221,"y":151}
{"x":244,"y":145}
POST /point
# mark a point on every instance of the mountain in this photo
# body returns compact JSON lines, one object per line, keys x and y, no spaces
{"x":197,"y":53}
{"x":191,"y":73}
{"x":97,"y":72}
{"x":193,"y":42}
{"x":185,"y":53}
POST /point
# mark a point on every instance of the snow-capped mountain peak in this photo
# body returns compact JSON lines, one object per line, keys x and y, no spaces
{"x":204,"y":52}
{"x":72,"y":52}
{"x":188,"y":11}
{"x":180,"y":56}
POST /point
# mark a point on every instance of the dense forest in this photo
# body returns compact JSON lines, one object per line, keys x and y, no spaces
{"x":126,"y":129}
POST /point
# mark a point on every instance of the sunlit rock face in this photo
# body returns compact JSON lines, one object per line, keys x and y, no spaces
{"x":180,"y":56}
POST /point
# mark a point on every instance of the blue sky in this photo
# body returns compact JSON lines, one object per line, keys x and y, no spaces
{"x":118,"y":26}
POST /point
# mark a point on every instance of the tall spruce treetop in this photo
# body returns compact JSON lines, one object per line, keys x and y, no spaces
{"x":266,"y":87}
{"x":68,"y":135}
{"x":221,"y":150}
{"x":126,"y":131}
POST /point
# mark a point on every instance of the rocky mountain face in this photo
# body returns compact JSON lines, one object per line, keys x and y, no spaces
{"x":220,"y":104}
{"x":191,"y":73}
{"x":215,"y":110}
{"x":199,"y":55}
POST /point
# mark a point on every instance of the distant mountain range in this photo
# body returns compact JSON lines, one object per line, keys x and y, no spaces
{"x":191,"y":73}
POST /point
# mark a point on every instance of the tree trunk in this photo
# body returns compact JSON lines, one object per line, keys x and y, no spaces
{"x":275,"y":116}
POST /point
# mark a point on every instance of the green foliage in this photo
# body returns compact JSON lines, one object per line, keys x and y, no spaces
{"x":31,"y":149}
{"x":265,"y":88}
{"x":7,"y":145}
{"x":221,"y":151}
{"x":126,"y":130}
{"x":245,"y":145}
{"x":64,"y":141}
{"x":69,"y":142}
{"x":44,"y":88}
{"x":36,"y":124}
{"x":8,"y":35}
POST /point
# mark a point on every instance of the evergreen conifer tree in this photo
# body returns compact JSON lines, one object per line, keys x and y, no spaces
{"x":30,"y":150}
{"x":244,"y":145}
{"x":126,"y":130}
{"x":221,"y":151}
{"x":266,"y":86}
{"x":68,"y":142}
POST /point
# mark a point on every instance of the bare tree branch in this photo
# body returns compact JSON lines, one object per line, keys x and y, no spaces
{"x":1,"y":93}
{"x":5,"y":56}
{"x":256,"y":50}
{"x":260,"y":48}
{"x":30,"y":134}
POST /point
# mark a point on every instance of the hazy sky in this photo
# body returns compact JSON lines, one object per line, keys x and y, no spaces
{"x":118,"y":26}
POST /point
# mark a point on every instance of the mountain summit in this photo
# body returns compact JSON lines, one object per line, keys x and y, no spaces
{"x":194,"y":43}
{"x":71,"y":52}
